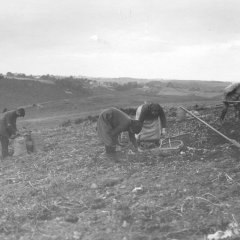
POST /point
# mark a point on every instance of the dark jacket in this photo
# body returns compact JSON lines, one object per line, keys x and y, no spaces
{"x":146,"y":114}
{"x":8,"y":125}
{"x":111,"y":123}
{"x":118,"y":119}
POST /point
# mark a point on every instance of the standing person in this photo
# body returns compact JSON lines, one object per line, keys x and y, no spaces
{"x":111,"y":123}
{"x":8,"y":128}
{"x":154,"y":122}
{"x":231,"y":93}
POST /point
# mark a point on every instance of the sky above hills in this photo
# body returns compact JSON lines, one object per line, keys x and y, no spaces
{"x":179,"y":39}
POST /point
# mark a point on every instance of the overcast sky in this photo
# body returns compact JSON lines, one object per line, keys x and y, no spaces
{"x":180,"y":39}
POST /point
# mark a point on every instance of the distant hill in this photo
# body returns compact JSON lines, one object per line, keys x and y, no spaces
{"x":68,"y":95}
{"x":200,"y":88}
{"x":159,"y":80}
{"x":191,"y":84}
{"x":15,"y":92}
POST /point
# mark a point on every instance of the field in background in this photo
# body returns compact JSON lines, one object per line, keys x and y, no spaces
{"x":72,"y":190}
{"x":58,"y":99}
{"x":54,"y":113}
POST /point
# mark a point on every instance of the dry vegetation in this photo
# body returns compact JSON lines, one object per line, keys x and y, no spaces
{"x":71,"y":190}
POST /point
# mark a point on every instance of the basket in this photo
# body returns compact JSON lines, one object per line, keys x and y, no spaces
{"x":168,"y":147}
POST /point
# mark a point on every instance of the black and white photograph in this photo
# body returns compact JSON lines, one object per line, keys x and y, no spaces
{"x":120,"y":120}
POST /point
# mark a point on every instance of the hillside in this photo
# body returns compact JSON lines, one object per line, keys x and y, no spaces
{"x":71,"y":190}
{"x":50,"y":98}
{"x":15,"y":92}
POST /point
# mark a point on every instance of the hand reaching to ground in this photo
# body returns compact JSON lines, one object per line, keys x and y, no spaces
{"x":163,"y":133}
{"x":140,"y":150}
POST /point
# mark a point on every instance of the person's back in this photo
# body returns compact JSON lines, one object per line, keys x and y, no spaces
{"x":8,"y":123}
{"x":111,"y":123}
{"x":152,"y":111}
{"x":154,"y":122}
{"x":118,"y":117}
{"x":233,"y":88}
{"x":231,"y":95}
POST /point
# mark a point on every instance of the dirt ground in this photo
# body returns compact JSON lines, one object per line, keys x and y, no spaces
{"x":72,"y":190}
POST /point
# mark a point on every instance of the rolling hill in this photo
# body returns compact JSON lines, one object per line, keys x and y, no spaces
{"x":52,"y":97}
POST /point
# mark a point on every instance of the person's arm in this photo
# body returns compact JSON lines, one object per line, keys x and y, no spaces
{"x":162,"y":131}
{"x":133,"y":139}
{"x":163,"y":119}
{"x":116,"y":131}
{"x":144,"y":113}
{"x":118,"y":141}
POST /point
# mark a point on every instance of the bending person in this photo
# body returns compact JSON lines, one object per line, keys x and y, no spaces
{"x":111,"y":123}
{"x":8,"y":128}
{"x":154,"y":122}
{"x":231,"y":93}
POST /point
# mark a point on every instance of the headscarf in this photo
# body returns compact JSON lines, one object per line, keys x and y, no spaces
{"x":155,"y":107}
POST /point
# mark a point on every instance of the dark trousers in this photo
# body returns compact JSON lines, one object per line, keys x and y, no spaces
{"x":4,"y":142}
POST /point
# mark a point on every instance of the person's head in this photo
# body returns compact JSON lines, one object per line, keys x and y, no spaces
{"x":135,"y":126}
{"x":155,"y":109}
{"x":20,"y":112}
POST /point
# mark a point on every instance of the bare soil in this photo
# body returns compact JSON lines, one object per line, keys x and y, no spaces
{"x":72,"y":190}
